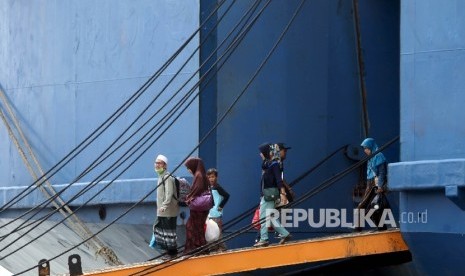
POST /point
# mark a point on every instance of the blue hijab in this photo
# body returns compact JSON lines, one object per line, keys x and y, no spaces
{"x":376,"y":160}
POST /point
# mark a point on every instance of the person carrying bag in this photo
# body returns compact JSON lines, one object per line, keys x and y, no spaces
{"x":272,"y":189}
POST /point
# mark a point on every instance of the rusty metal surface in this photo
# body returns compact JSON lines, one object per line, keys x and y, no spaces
{"x":248,"y":259}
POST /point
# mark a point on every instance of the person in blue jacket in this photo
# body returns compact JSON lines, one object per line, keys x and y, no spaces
{"x":220,"y":198}
{"x":376,"y":182}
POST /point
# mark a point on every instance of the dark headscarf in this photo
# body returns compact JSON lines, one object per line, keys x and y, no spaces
{"x":200,"y":182}
{"x":265,"y":150}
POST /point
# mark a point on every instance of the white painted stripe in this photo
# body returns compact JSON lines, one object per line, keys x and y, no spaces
{"x":4,"y":272}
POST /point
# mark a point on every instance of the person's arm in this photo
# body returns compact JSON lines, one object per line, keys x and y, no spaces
{"x":381,"y":177}
{"x":277,"y":175}
{"x":224,"y":194}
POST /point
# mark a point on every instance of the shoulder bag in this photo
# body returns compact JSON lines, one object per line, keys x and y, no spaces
{"x":203,"y":202}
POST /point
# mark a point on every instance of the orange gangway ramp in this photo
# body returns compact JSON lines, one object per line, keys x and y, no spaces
{"x":292,"y":253}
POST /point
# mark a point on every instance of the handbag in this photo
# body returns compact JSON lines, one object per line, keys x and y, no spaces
{"x":203,"y":202}
{"x":256,"y":219}
{"x":270,"y":194}
{"x":290,"y":194}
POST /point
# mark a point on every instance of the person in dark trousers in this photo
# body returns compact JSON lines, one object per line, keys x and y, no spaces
{"x":164,"y":228}
{"x":376,"y":183}
{"x":220,"y":198}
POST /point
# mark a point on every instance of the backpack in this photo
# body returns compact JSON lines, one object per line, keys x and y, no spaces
{"x":183,"y":188}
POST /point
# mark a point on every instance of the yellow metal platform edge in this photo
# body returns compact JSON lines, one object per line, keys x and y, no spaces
{"x":247,"y":259}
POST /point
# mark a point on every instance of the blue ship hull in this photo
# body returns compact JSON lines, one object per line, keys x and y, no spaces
{"x":336,"y":75}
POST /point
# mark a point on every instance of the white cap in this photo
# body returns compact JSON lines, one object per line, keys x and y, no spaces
{"x":162,"y":158}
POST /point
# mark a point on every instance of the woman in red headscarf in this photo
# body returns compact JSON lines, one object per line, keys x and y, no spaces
{"x":195,"y":234}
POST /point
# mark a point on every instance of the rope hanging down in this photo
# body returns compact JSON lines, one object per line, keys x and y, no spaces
{"x":361,"y":69}
{"x":101,"y":250}
{"x":255,"y":74}
{"x":109,"y":121}
{"x":121,"y":160}
{"x":102,"y":176}
{"x":216,"y":125}
{"x":75,"y":224}
{"x":96,"y":162}
{"x":325,"y":184}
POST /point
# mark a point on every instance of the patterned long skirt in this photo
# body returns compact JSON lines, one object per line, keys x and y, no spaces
{"x":165,"y":234}
{"x":195,"y":230}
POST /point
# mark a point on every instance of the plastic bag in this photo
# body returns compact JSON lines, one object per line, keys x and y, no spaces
{"x":256,"y":219}
{"x":379,"y":202}
{"x":212,"y":231}
{"x":153,"y":242}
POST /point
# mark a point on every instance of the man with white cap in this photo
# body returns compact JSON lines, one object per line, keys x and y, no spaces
{"x":167,"y":208}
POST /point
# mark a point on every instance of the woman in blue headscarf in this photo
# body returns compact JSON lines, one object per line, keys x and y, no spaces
{"x":376,"y":166}
{"x":376,"y":182}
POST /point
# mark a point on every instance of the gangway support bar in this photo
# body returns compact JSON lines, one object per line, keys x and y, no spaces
{"x":248,"y":259}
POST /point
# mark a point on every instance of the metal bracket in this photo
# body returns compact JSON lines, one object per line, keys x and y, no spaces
{"x":354,"y":152}
{"x":456,"y":194}
{"x":44,"y":268}
{"x":74,"y":265}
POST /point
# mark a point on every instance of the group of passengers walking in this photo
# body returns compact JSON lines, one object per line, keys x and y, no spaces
{"x":273,"y":192}
{"x":204,"y":182}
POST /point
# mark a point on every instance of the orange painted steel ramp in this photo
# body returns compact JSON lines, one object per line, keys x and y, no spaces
{"x":292,"y":253}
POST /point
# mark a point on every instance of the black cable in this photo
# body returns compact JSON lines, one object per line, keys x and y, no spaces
{"x":258,"y":70}
{"x":243,"y":35}
{"x":112,"y":118}
{"x":197,"y":251}
{"x":127,"y":211}
{"x":337,"y":177}
{"x":84,"y":190}
{"x":343,"y":174}
{"x":62,"y":190}
{"x":92,"y":184}
{"x":203,"y":139}
{"x":234,"y":102}
{"x":94,"y":164}
{"x":244,"y":229}
{"x":247,"y":213}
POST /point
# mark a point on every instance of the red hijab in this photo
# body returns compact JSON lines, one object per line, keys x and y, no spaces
{"x":200,"y":182}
